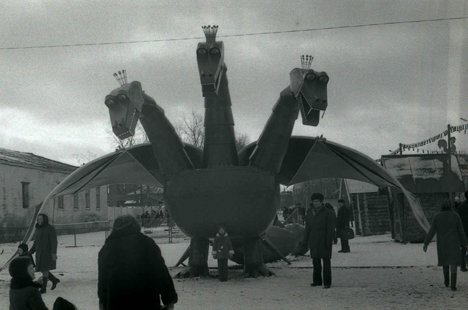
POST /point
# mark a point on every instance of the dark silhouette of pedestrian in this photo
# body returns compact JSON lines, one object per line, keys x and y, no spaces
{"x":222,"y":251}
{"x":45,"y":248}
{"x":463,"y":212}
{"x":24,"y":293}
{"x":318,"y":235}
{"x":450,"y":237}
{"x":132,"y":273}
{"x":342,"y":223}
{"x":331,"y":208}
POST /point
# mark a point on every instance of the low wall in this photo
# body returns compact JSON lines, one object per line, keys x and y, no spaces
{"x":16,"y":234}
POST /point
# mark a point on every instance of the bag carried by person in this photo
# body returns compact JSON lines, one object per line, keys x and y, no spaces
{"x":347,"y":233}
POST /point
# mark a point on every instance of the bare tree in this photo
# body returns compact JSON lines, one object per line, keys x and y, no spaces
{"x":138,"y":138}
{"x":191,"y":129}
{"x":241,"y":141}
{"x":84,"y":157}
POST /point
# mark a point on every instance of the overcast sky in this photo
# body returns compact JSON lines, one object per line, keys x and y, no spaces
{"x":388,"y":84}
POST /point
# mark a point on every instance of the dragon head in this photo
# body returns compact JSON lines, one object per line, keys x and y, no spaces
{"x":310,"y":87}
{"x":210,"y":58}
{"x":124,"y":105}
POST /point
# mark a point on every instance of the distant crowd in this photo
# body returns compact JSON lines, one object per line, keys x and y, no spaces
{"x":131,"y":269}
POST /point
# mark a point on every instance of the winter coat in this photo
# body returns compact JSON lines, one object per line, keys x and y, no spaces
{"x":132,"y":273}
{"x":450,"y":237}
{"x":463,"y":212}
{"x":342,"y":220}
{"x":45,"y":244}
{"x":222,"y":247}
{"x":24,"y":295}
{"x":319,"y":232}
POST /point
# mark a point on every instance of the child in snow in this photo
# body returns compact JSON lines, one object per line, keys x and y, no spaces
{"x":23,"y":251}
{"x":24,"y":293}
{"x":222,"y":250}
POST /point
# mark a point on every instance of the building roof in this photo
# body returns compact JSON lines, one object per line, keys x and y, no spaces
{"x":426,"y":173}
{"x":32,"y":161}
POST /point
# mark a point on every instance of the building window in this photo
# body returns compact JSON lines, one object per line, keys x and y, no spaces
{"x":98,"y":198}
{"x":60,"y":202}
{"x":75,"y":202}
{"x":25,"y":194}
{"x":87,"y":200}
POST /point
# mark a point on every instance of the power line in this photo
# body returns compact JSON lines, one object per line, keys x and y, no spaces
{"x":234,"y":35}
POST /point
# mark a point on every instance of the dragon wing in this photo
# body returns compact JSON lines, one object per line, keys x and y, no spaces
{"x":314,"y":158}
{"x":135,"y":165}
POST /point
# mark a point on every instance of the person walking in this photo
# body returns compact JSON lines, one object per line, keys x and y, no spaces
{"x":222,"y":251}
{"x":24,"y":293}
{"x":450,"y":236}
{"x":463,"y":213}
{"x":45,"y":248}
{"x":318,"y":235}
{"x":342,"y":222}
{"x":132,"y":273}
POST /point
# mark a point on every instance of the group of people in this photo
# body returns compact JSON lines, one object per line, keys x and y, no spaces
{"x":131,"y":270}
{"x":131,"y":267}
{"x":25,"y":293}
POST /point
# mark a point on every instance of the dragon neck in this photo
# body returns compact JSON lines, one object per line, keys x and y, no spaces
{"x":220,"y":142}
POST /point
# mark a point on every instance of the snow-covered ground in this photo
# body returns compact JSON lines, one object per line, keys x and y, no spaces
{"x":377,"y":274}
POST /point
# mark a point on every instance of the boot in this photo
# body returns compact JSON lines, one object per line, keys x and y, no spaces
{"x":54,"y":281}
{"x":453,"y":282}
{"x":44,"y":285}
{"x":446,"y":276}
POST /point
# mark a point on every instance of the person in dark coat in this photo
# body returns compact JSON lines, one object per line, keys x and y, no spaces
{"x":342,"y":222}
{"x":463,"y":212}
{"x":24,"y":293}
{"x":45,"y":247}
{"x":331,"y":208}
{"x":222,"y":251}
{"x":23,"y":250}
{"x":450,"y":236}
{"x":132,"y":273}
{"x":318,"y":235}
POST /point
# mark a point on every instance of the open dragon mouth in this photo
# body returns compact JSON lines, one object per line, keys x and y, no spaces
{"x":210,"y":60}
{"x":123,"y":115}
{"x":310,"y":87}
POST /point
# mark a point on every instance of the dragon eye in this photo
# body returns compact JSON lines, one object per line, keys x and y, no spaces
{"x":324,"y":79}
{"x":215,"y":51}
{"x":311,"y":76}
{"x":122,"y":97}
{"x":109,"y":102}
{"x":202,"y":51}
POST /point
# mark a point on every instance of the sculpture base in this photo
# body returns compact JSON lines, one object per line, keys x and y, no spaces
{"x":254,"y":265}
{"x":198,"y":259}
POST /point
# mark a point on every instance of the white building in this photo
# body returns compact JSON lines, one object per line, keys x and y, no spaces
{"x":26,"y":179}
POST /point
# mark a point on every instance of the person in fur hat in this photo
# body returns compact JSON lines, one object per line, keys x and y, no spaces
{"x":222,"y":251}
{"x":24,"y":293}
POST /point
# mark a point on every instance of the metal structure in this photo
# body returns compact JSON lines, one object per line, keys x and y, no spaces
{"x":219,"y":185}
